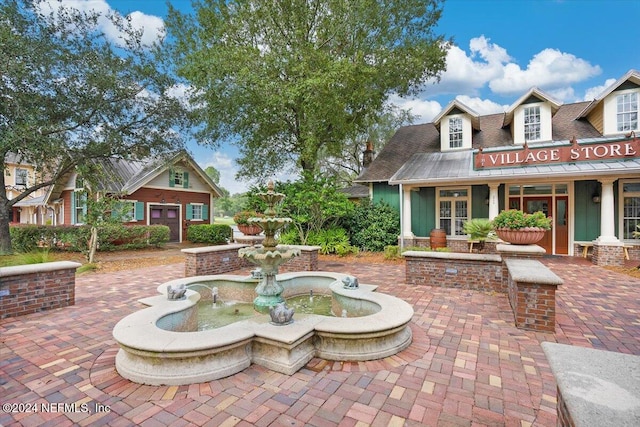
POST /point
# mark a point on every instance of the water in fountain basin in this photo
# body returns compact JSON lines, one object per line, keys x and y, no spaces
{"x":218,"y":314}
{"x":212,"y":315}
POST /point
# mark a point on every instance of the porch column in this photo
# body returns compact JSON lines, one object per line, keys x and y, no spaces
{"x":406,"y":213}
{"x":607,"y":209}
{"x":494,"y":207}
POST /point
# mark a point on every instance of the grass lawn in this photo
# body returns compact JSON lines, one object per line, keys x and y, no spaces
{"x":224,"y":221}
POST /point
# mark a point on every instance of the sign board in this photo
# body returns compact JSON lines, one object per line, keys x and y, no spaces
{"x":575,"y":152}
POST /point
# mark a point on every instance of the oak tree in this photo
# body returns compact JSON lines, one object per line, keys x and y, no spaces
{"x":71,"y":95}
{"x":290,"y":80}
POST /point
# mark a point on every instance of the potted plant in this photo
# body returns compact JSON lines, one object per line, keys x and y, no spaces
{"x":478,"y":230}
{"x":244,"y":225}
{"x":520,"y":228}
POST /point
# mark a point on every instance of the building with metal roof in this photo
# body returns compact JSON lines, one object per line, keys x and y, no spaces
{"x":579,"y":163}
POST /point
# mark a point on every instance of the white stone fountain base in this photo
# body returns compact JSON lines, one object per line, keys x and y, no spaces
{"x":155,"y":356}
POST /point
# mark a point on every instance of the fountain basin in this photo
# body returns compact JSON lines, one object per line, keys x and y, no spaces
{"x":153,"y":355}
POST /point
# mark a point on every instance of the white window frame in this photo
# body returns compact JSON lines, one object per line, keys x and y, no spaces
{"x":19,"y":173}
{"x":624,"y":117}
{"x":439,"y":199}
{"x":178,"y":178}
{"x":194,"y":217}
{"x":130,"y":215}
{"x":621,"y":200}
{"x":80,"y":205}
{"x":530,"y":113}
{"x":456,"y":132}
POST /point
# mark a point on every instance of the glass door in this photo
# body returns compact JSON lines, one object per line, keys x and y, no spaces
{"x":544,"y":205}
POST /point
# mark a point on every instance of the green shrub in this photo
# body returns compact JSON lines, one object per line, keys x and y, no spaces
{"x":37,"y":256}
{"x":216,"y":234}
{"x":331,"y":241}
{"x":289,"y":237}
{"x":478,"y":228}
{"x":392,"y":252}
{"x":514,"y":218}
{"x":76,"y":238}
{"x":373,"y":226}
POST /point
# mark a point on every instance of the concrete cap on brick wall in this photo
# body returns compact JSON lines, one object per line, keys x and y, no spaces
{"x":531,"y":271}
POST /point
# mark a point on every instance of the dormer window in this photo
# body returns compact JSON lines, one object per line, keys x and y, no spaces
{"x":627,"y":111}
{"x":455,"y":132}
{"x":532,"y":124}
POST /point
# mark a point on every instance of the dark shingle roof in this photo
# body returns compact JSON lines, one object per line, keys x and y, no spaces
{"x":407,"y":141}
{"x":425,"y":138}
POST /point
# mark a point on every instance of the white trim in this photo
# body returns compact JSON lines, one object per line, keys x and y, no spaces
{"x":179,"y":205}
{"x":610,"y":112}
{"x":453,"y":199}
{"x":620,"y":201}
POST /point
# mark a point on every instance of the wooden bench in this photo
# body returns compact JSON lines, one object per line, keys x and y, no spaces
{"x":585,"y":247}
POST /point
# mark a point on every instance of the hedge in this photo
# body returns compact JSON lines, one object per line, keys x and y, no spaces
{"x":216,"y":234}
{"x":26,"y":238}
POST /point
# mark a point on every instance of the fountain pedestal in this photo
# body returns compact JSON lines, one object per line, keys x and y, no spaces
{"x":268,"y":290}
{"x":269,"y":256}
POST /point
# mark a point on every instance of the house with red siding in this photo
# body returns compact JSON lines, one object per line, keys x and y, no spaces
{"x":172,"y":191}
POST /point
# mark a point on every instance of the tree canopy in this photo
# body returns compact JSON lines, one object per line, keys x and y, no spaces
{"x":70,"y":95}
{"x":289,"y":80}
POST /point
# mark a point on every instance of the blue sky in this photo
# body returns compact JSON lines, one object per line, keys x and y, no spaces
{"x":570,"y":49}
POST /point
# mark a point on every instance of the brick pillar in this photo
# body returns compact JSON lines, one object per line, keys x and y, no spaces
{"x":611,"y":254}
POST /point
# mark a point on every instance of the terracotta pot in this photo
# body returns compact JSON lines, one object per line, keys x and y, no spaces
{"x":249,"y":230}
{"x":521,"y":236}
{"x":438,"y":238}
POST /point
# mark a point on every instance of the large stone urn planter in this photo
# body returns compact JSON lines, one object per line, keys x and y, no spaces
{"x":521,"y":236}
{"x":249,"y":230}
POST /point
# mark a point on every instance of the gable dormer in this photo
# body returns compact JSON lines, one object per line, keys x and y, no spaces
{"x":616,"y":110}
{"x":529,"y":118}
{"x":456,"y":123}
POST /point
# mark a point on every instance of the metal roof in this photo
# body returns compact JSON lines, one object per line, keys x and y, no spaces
{"x":424,"y":168}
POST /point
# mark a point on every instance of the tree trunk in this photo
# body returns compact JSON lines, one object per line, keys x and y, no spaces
{"x":5,"y":237}
{"x":93,"y":244}
{"x":5,"y":218}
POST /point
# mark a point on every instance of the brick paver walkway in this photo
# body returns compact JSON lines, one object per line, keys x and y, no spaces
{"x":468,"y":365}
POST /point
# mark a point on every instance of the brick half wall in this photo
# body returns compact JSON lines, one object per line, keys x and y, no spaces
{"x":454,"y":270}
{"x":223,"y":259}
{"x":27,"y":289}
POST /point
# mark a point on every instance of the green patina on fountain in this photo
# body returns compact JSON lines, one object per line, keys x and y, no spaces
{"x":269,"y":256}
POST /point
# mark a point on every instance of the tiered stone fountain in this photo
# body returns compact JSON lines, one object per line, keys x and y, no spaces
{"x":162,"y":344}
{"x":270,"y":256}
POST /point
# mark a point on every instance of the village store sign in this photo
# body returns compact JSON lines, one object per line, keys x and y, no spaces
{"x":566,"y":154}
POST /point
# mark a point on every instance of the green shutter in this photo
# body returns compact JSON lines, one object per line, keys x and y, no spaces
{"x":172,"y":182}
{"x":73,"y":207}
{"x":205,"y":212}
{"x":189,"y":211}
{"x":185,"y":179}
{"x":139,"y":211}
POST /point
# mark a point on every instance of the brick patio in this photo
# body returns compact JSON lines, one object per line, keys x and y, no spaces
{"x":468,"y":364}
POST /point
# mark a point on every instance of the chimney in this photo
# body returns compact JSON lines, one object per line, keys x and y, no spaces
{"x":367,"y":156}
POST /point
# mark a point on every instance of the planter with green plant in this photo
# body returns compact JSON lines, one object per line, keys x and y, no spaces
{"x":243,"y":221}
{"x":520,"y":228}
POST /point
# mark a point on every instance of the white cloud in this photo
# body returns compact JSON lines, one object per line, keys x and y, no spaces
{"x":488,"y":65}
{"x":482,"y":106}
{"x":424,"y":110}
{"x":593,"y":92}
{"x":549,"y":69}
{"x":152,"y":26}
{"x":466,"y":74}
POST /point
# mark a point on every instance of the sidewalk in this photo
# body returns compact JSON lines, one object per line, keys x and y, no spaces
{"x":467,"y":366}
